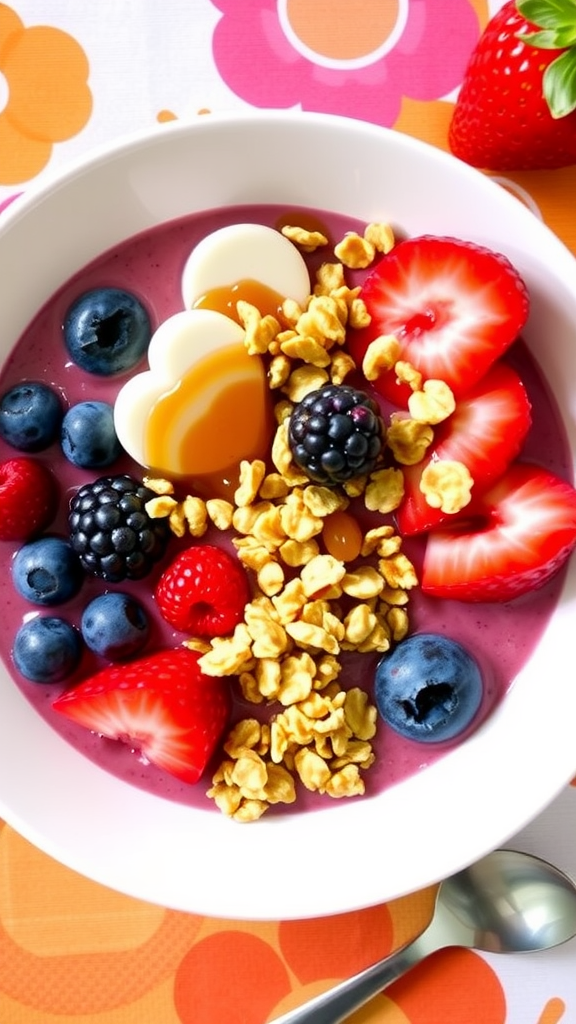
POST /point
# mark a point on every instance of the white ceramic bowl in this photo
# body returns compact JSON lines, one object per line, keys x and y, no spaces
{"x":476,"y":797}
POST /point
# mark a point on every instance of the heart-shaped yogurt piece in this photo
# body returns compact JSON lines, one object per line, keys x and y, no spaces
{"x":202,"y":406}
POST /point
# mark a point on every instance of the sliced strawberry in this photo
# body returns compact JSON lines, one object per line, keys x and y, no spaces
{"x":485,"y":433}
{"x":453,"y":306}
{"x":162,"y":705}
{"x":519,"y":534}
{"x":203,"y":591}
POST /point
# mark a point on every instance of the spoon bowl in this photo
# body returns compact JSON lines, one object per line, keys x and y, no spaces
{"x":508,"y":902}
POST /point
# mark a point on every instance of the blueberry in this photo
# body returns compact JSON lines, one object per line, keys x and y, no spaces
{"x":429,"y":689}
{"x":107,"y":331}
{"x":88,"y":435}
{"x":30,"y":416}
{"x":46,"y":649}
{"x":115,"y":625}
{"x":47,"y":571}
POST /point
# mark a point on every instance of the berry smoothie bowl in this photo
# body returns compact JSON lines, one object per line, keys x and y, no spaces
{"x":384,"y":580}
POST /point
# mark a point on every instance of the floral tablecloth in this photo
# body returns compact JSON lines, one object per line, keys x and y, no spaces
{"x":72,"y":76}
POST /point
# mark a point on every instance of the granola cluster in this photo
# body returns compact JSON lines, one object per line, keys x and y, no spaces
{"x":308,"y":606}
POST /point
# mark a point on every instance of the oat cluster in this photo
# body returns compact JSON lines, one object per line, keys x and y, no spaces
{"x":309,"y":607}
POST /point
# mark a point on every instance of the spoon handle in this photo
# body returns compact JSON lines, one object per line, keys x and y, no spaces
{"x":339,"y":1002}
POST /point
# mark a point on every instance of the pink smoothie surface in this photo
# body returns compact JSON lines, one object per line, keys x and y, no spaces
{"x":500,"y":636}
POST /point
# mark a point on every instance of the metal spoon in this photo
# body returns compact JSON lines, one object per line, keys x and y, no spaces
{"x":508,"y":902}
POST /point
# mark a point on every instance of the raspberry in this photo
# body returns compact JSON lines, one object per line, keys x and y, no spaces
{"x":27,"y":498}
{"x":111,"y":531}
{"x":335,"y":433}
{"x":203,"y":592}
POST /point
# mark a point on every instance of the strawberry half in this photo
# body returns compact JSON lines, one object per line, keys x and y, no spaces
{"x":453,"y":306}
{"x":517,"y":537}
{"x":485,"y":433}
{"x":516,"y":109}
{"x":162,"y":705}
{"x":203,"y":591}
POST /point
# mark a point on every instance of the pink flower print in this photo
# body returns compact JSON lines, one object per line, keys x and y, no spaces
{"x":358,"y":62}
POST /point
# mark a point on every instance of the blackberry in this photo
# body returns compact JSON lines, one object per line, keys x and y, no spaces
{"x":111,"y":531}
{"x":336,"y":433}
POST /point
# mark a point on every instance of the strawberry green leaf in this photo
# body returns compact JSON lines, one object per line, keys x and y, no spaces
{"x":552,"y":14}
{"x":550,"y":39}
{"x":559,"y":83}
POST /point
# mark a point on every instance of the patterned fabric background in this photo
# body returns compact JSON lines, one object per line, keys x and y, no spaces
{"x":74,"y":76}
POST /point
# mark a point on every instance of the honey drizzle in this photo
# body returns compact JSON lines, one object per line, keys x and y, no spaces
{"x":234,"y":425}
{"x":225,"y":298}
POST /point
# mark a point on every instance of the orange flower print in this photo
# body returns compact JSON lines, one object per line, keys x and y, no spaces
{"x":44,"y":95}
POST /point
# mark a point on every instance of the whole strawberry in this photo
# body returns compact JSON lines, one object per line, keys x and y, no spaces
{"x":27,"y":498}
{"x":517,"y":105}
{"x":203,"y":592}
{"x":161,"y":705}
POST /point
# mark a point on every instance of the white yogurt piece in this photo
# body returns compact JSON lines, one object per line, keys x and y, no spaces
{"x":241,"y":252}
{"x":223,"y":259}
{"x":177,"y":345}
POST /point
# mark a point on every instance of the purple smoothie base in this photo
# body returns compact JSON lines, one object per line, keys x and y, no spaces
{"x":500,"y":636}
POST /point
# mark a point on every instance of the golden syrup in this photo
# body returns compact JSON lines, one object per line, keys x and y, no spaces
{"x":303,"y":219}
{"x":217,"y":415}
{"x":225,"y":298}
{"x":342,"y":536}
